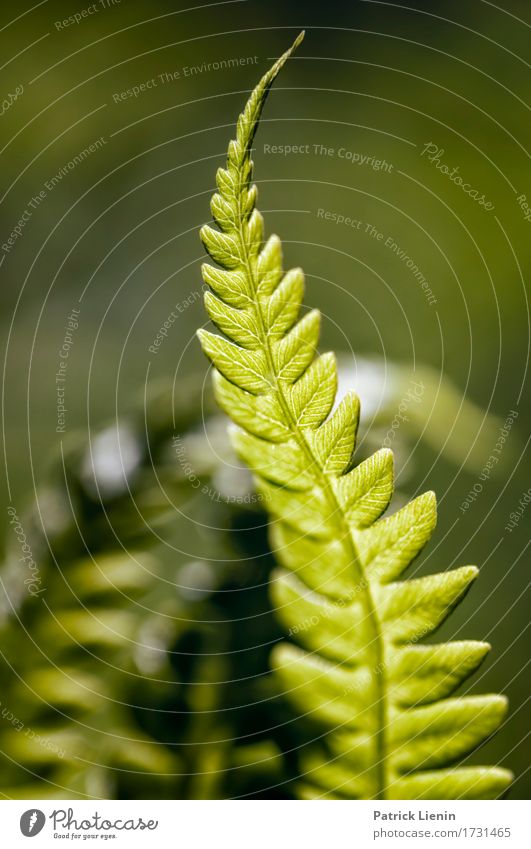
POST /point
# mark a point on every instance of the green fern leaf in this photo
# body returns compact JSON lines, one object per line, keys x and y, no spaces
{"x":383,"y":699}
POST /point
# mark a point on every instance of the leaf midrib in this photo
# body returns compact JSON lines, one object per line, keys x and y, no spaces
{"x":345,"y":535}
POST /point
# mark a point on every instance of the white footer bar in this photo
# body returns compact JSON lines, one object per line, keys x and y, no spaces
{"x":265,"y":824}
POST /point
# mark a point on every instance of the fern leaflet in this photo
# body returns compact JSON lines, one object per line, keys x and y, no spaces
{"x":383,"y":699}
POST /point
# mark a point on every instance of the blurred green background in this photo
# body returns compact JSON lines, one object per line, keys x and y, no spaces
{"x":115,"y":236}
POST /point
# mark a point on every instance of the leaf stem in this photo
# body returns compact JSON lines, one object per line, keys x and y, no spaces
{"x":345,"y":536}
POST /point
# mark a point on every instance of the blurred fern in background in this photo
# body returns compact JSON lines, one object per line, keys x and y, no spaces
{"x":129,"y":676}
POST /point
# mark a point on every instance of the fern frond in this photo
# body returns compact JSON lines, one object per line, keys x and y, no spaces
{"x":358,"y":669}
